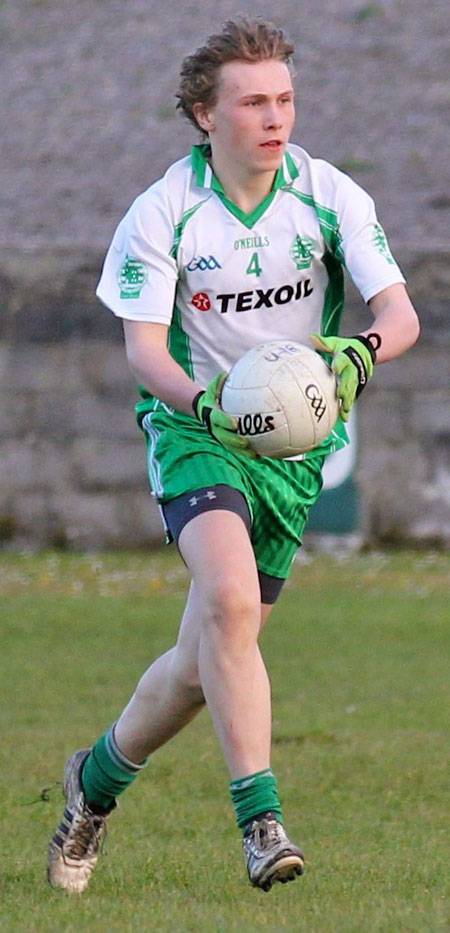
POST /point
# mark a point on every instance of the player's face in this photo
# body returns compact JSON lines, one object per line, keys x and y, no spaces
{"x":251,"y":122}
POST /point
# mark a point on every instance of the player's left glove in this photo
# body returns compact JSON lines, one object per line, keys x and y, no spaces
{"x":221,"y":426}
{"x":353,"y":362}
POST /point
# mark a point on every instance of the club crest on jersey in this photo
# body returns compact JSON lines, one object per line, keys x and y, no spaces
{"x":201,"y":301}
{"x":302,"y":251}
{"x":204,"y":263}
{"x":132,"y":277}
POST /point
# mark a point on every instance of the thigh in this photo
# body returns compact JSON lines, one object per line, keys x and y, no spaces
{"x":216,"y":497}
{"x":219,"y":497}
{"x":183,"y":458}
{"x":218,"y":553}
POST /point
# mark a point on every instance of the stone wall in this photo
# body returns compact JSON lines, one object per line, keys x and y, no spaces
{"x":73,"y":461}
{"x":404,"y":464}
{"x":73,"y":469}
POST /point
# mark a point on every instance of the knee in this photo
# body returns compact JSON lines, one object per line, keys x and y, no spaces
{"x":232,"y":608}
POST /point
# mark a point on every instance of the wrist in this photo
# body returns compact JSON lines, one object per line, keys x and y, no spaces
{"x":195,"y":402}
{"x":372,"y":343}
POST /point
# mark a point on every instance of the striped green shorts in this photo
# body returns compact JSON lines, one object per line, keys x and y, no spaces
{"x":183,"y":457}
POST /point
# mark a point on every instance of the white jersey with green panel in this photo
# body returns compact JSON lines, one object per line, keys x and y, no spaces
{"x":225,"y":281}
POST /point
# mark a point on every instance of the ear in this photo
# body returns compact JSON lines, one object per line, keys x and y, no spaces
{"x":204,"y":117}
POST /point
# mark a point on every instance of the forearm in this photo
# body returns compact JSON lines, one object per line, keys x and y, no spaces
{"x":164,"y":378}
{"x":396,"y":323}
{"x":395,"y":329}
{"x":154,"y":368}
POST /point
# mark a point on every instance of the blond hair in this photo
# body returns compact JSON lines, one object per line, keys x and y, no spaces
{"x":247,"y":40}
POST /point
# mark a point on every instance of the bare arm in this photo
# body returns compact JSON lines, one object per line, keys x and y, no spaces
{"x":395,"y":321}
{"x":154,"y":368}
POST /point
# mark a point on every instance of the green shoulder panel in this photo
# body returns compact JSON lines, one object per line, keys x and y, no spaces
{"x":333,"y":260}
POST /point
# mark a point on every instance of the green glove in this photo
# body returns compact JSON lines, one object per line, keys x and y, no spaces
{"x":220,"y":425}
{"x":353,"y":362}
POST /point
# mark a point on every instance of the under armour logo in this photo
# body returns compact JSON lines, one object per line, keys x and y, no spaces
{"x":318,"y":405}
{"x":209,"y":494}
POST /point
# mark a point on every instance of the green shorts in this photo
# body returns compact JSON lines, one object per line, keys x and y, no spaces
{"x":183,"y":457}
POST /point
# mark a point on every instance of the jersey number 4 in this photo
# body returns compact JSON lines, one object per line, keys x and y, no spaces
{"x":254,"y":267}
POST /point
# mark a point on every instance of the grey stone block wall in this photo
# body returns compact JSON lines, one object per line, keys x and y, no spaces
{"x":72,"y":460}
{"x":404,"y":423}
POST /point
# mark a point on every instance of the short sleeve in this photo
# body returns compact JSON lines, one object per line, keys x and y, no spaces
{"x":363,"y":241}
{"x":139,"y":275}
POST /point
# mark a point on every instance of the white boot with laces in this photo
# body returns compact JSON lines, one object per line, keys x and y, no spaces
{"x":269,"y":854}
{"x":75,"y":847}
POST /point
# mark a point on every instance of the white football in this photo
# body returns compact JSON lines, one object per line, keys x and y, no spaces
{"x":283,"y":395}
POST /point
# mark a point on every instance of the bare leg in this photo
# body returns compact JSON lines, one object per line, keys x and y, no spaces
{"x":168,"y":695}
{"x":218,"y":552}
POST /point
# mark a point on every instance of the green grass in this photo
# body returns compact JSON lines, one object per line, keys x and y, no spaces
{"x":357,"y":650}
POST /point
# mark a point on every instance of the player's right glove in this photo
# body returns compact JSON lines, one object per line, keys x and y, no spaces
{"x":221,"y":426}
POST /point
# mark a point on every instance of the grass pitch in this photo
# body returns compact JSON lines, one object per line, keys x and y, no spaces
{"x":357,"y":651}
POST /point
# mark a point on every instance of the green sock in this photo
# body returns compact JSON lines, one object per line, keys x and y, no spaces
{"x":255,"y":794}
{"x":107,"y":773}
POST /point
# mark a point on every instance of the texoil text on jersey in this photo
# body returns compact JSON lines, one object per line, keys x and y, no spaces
{"x":260,"y":298}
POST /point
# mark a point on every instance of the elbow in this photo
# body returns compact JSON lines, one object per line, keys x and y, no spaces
{"x":133,"y":365}
{"x":138,"y":365}
{"x":413,"y":330}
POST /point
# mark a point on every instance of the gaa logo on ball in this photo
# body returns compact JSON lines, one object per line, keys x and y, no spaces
{"x":318,"y":404}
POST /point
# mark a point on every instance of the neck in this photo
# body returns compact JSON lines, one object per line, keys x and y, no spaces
{"x":244,"y":190}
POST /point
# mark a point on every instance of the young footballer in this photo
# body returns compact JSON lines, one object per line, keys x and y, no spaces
{"x":242,"y":241}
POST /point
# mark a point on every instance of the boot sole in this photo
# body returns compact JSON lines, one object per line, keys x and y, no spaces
{"x":286,"y":869}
